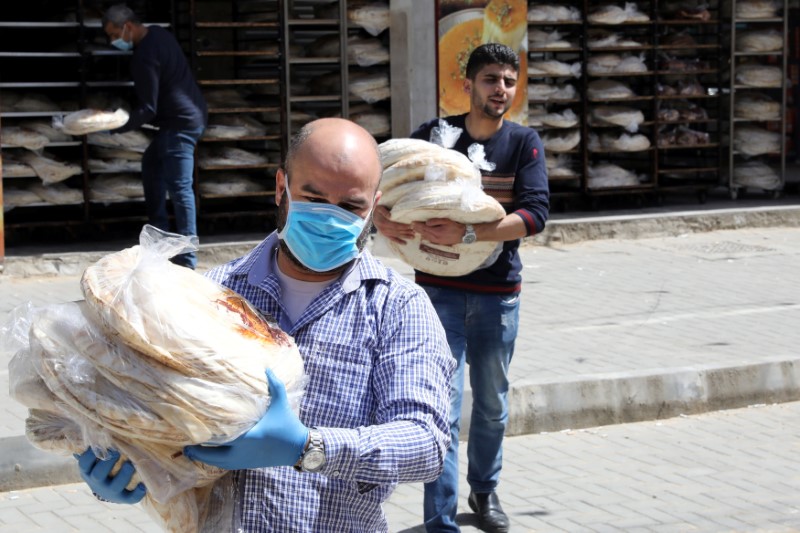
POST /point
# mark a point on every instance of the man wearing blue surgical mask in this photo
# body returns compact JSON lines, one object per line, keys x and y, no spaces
{"x":170,"y":99}
{"x":375,"y":408}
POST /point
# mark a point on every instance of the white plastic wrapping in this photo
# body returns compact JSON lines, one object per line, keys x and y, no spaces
{"x":445,"y":135}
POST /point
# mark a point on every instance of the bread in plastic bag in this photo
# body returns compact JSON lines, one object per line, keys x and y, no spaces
{"x":422,"y":180}
{"x":90,"y":121}
{"x":156,"y":358}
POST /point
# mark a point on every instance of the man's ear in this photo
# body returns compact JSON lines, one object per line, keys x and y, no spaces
{"x":467,"y":85}
{"x":280,"y":185}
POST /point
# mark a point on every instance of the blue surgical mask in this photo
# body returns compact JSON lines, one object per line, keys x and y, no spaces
{"x":321,"y":236}
{"x":121,"y":43}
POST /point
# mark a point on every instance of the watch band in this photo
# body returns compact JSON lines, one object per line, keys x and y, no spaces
{"x":469,"y":234}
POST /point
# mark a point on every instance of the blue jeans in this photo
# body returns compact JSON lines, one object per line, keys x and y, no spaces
{"x":481,"y":331}
{"x":168,"y":167}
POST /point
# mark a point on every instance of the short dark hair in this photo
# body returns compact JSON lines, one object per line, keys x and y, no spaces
{"x":119,"y":14}
{"x":295,"y":143}
{"x":491,"y":54}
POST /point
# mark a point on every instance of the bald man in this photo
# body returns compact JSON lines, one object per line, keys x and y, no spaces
{"x":375,"y":408}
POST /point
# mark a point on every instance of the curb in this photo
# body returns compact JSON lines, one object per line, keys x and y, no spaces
{"x":641,"y":226}
{"x":74,"y":263}
{"x":558,"y":231}
{"x":585,"y":401}
{"x":620,"y":398}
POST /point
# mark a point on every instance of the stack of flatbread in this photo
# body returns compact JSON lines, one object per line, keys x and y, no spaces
{"x":23,"y":137}
{"x":624,"y":142}
{"x":156,"y":358}
{"x":753,"y":140}
{"x":627,"y":117}
{"x":93,"y":120}
{"x":754,"y":75}
{"x":759,"y":41}
{"x":756,"y":106}
{"x":756,"y":174}
{"x":422,"y":180}
{"x":50,"y":169}
{"x":604,"y":175}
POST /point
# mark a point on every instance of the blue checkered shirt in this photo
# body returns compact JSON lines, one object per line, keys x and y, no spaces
{"x":379,"y":371}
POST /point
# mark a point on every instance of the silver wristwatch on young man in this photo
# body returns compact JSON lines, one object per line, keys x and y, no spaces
{"x":313,"y":457}
{"x":469,"y":235}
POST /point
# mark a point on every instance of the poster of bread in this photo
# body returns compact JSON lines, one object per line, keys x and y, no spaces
{"x":463,"y":26}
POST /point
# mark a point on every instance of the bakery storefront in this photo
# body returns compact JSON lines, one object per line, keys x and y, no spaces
{"x":633,"y":100}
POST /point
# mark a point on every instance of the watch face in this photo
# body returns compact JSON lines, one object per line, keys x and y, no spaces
{"x":469,"y":238}
{"x":313,"y":460}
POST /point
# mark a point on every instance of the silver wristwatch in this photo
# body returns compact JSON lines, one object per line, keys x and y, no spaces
{"x":469,"y":235}
{"x":313,"y":458}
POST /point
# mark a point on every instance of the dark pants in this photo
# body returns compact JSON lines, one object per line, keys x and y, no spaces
{"x":168,"y":168}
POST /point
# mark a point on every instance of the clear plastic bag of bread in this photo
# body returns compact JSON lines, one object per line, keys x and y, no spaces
{"x":72,"y":406}
{"x":141,"y":367}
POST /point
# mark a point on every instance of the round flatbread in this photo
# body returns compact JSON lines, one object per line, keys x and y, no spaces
{"x":394,"y":150}
{"x":455,"y":200}
{"x":186,"y":321}
{"x":456,"y":260}
{"x":439,"y":163}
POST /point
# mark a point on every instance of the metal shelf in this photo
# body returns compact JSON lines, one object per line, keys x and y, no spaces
{"x":39,"y":84}
{"x":774,"y":159}
{"x":39,"y":54}
{"x":42,"y":25}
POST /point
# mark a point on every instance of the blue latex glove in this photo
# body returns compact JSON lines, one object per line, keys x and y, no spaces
{"x":97,"y":474}
{"x":278,"y":439}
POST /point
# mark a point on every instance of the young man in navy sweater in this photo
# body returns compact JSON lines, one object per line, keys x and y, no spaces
{"x":169,"y":98}
{"x":480,"y":310}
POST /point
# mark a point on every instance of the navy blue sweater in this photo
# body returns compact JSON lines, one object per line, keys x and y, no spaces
{"x":518,"y":182}
{"x":166,"y":89}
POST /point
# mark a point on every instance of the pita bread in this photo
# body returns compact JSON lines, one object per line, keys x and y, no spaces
{"x":445,"y":166}
{"x":395,"y":150}
{"x":456,"y":260}
{"x":93,"y":120}
{"x":454,"y":200}
{"x":186,"y":321}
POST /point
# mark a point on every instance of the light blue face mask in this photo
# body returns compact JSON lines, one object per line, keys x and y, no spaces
{"x":122,"y":44}
{"x":321,"y":236}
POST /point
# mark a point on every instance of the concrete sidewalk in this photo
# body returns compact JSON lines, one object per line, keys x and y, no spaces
{"x":719,"y":472}
{"x":623,"y":319}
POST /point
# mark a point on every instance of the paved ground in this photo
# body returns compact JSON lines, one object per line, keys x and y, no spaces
{"x":612,"y":331}
{"x":726,"y":471}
